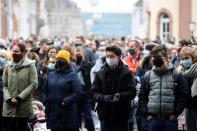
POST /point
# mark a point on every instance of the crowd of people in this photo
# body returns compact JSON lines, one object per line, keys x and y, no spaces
{"x":132,"y":85}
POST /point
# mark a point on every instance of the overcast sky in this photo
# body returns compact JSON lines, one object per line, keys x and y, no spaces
{"x":125,"y":6}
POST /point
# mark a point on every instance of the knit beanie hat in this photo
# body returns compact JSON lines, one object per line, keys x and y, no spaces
{"x":64,"y":55}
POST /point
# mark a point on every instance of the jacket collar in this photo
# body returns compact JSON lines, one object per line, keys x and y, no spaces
{"x":157,"y":70}
{"x":23,"y":63}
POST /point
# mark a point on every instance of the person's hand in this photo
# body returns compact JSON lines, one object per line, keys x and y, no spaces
{"x":149,"y":117}
{"x":116,"y":98}
{"x":134,"y":129}
{"x":62,"y":104}
{"x":40,"y":114}
{"x":108,"y":98}
{"x":14,"y":100}
{"x":173,"y":118}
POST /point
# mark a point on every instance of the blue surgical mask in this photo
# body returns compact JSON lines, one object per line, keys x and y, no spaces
{"x":187,"y":63}
{"x":51,"y":66}
{"x":111,"y":62}
{"x":2,"y":62}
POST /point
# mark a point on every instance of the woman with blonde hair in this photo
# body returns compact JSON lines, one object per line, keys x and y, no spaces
{"x":189,"y":62}
{"x":188,"y":57}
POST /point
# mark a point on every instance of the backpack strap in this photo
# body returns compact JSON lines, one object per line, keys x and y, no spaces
{"x":175,"y":75}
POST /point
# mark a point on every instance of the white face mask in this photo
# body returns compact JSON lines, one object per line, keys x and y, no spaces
{"x":111,"y":62}
{"x":101,"y":54}
{"x":146,"y":53}
{"x":51,"y":66}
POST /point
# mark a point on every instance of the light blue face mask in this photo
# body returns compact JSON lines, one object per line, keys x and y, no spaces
{"x":111,"y":62}
{"x":2,"y":62}
{"x":51,"y":66}
{"x":101,"y":54}
{"x":187,"y":63}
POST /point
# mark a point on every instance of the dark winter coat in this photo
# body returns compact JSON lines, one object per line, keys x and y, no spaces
{"x":61,"y":87}
{"x":108,"y":82}
{"x":84,"y":75}
{"x":1,"y":89}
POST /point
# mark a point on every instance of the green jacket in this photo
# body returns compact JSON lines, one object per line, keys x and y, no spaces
{"x":19,"y":81}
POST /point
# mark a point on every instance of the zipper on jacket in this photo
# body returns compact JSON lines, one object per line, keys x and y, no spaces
{"x":160,"y":98}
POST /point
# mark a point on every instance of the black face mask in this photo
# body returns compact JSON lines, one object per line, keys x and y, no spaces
{"x":60,"y":64}
{"x":79,"y":60}
{"x":131,"y":51}
{"x":78,"y":44}
{"x":158,"y":62}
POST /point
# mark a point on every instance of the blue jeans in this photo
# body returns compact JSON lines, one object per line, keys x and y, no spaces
{"x":161,"y":125}
{"x":118,"y":125}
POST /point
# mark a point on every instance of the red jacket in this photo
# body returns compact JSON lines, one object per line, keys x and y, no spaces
{"x":133,"y":65}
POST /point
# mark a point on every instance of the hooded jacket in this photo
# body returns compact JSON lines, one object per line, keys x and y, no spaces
{"x":110,"y":82}
{"x":19,"y":81}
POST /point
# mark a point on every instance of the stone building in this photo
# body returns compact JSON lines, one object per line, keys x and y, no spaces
{"x":171,"y":18}
{"x":63,"y":17}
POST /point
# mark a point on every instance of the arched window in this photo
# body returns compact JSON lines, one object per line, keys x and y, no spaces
{"x":164,"y":27}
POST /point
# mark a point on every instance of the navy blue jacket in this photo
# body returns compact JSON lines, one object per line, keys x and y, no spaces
{"x":61,"y":87}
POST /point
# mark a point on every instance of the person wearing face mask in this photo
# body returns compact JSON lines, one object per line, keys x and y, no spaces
{"x":3,"y":61}
{"x":189,"y":63}
{"x":84,"y":104}
{"x":132,"y":59}
{"x":101,"y":53}
{"x":43,"y":69}
{"x":19,"y":82}
{"x":187,"y":57}
{"x":62,"y":90}
{"x":90,"y":56}
{"x":163,"y":93}
{"x":113,"y":88}
{"x":39,"y":94}
{"x":51,"y":64}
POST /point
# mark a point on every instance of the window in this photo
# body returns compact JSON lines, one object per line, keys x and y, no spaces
{"x":164,"y":27}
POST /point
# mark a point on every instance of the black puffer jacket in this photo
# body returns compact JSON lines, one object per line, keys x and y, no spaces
{"x":108,"y":82}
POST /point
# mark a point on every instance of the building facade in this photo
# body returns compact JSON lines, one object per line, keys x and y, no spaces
{"x":170,"y":19}
{"x":3,"y":18}
{"x":63,"y":17}
{"x":111,"y":25}
{"x":19,"y":18}
{"x":140,"y":20}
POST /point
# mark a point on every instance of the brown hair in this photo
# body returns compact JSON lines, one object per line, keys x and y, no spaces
{"x":81,"y":38}
{"x":46,"y":54}
{"x":33,"y":56}
{"x":159,"y":48}
{"x":70,"y":49}
{"x":22,"y":47}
